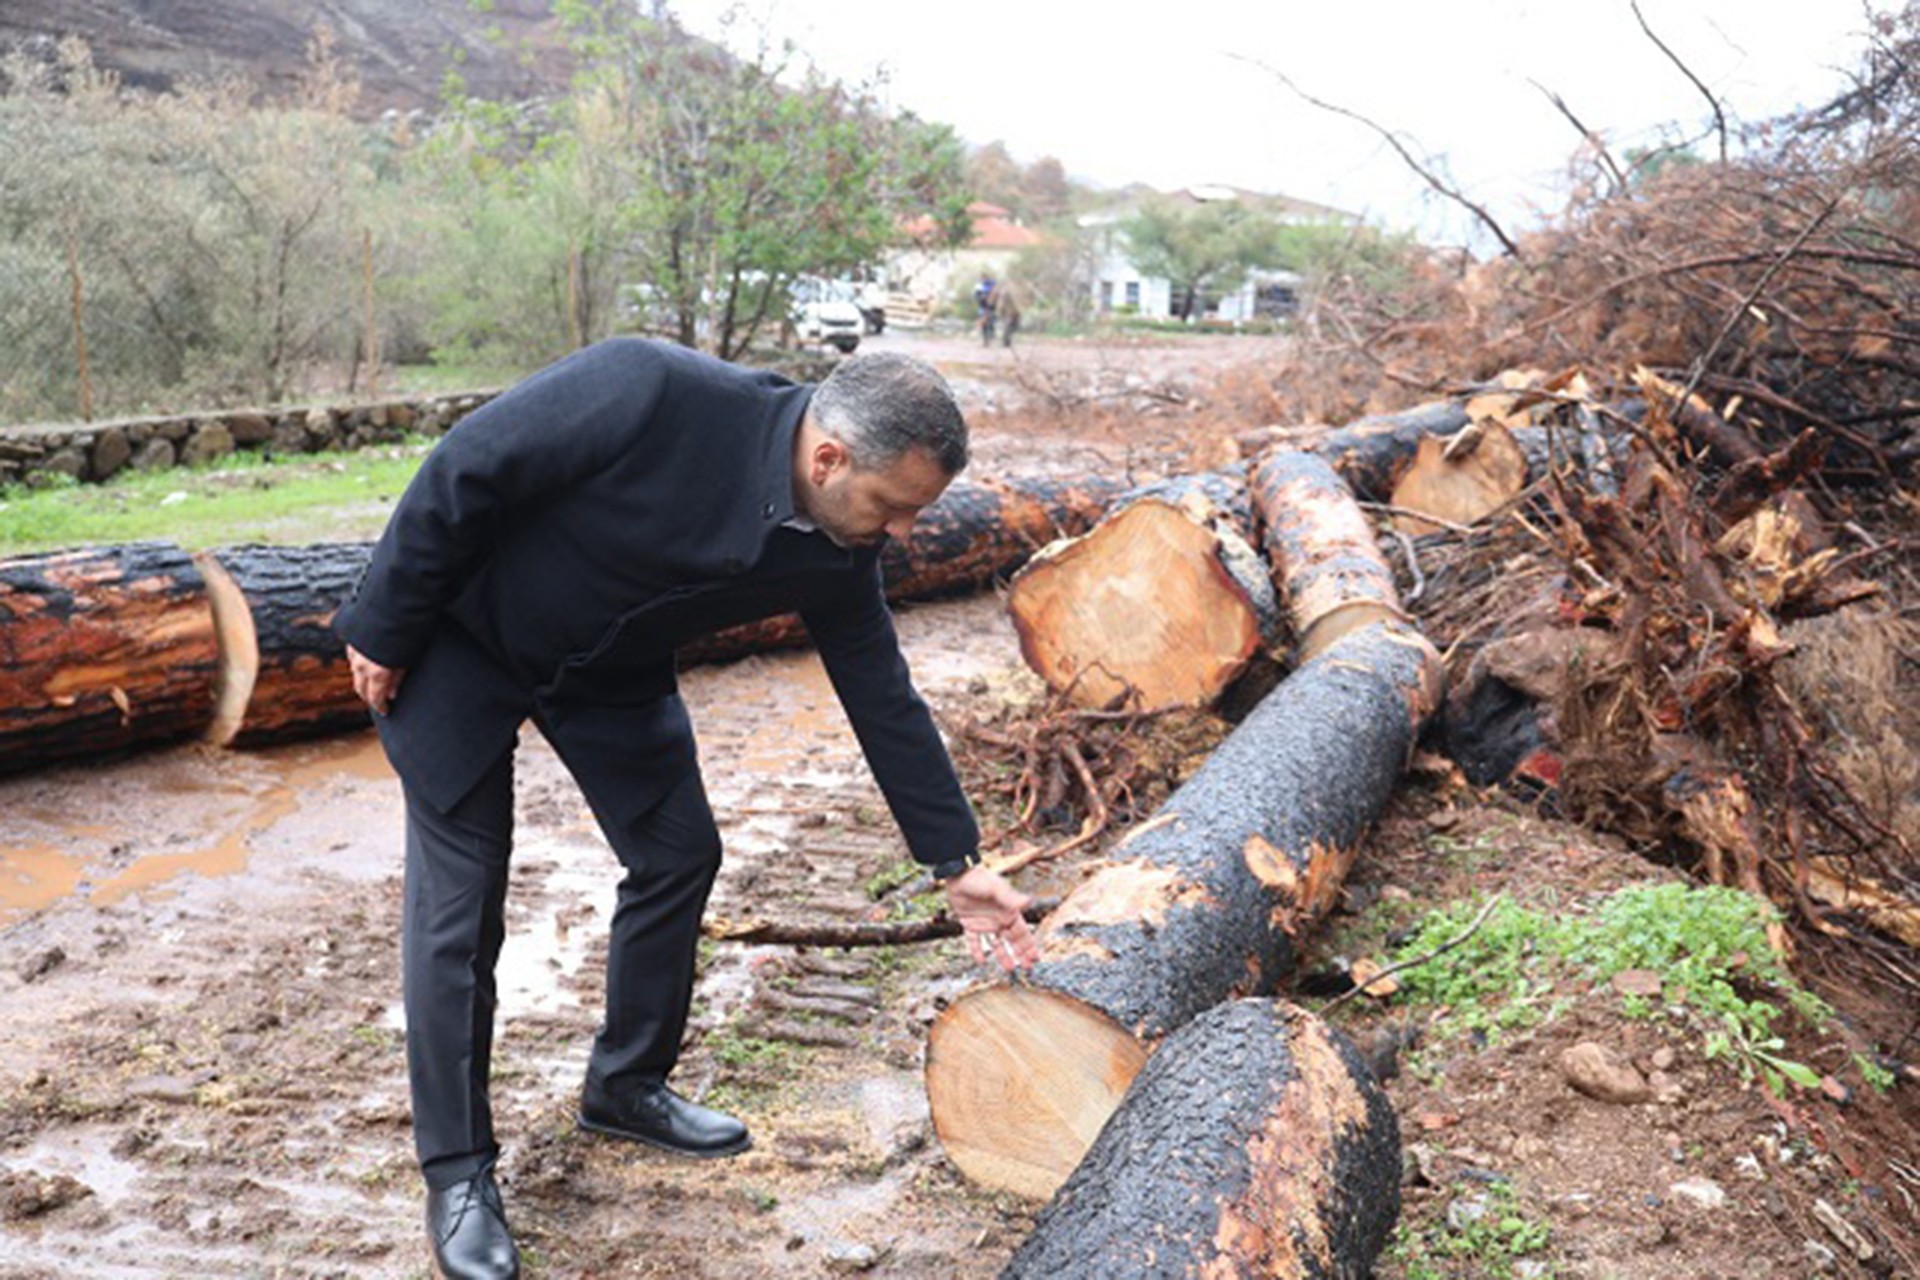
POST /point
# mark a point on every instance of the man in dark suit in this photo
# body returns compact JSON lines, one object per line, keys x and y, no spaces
{"x":552,"y":553}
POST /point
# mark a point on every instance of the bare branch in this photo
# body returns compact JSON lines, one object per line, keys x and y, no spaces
{"x":1606,"y":157}
{"x":1392,"y":140}
{"x":1719,"y":116}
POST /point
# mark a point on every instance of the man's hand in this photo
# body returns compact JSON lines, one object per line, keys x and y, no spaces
{"x":988,"y":909}
{"x":375,"y":684}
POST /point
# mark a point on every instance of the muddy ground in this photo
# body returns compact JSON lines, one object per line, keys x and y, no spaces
{"x":199,"y":997}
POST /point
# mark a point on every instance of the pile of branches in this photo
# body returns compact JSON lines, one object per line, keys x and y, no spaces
{"x":1733,"y":677}
{"x":1059,"y":779}
{"x":1780,"y":283}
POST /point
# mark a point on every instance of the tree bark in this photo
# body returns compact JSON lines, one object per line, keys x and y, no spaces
{"x":102,"y":649}
{"x":1200,"y":904}
{"x":1203,"y":902}
{"x":1163,"y":604}
{"x":1255,"y":1144}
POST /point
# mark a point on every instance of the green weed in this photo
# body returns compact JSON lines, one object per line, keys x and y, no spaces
{"x":1709,"y":946}
{"x":1486,"y":1246}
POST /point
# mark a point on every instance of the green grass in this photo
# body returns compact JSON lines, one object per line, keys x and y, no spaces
{"x":1486,"y":1246}
{"x":320,"y":497}
{"x":1709,"y":945}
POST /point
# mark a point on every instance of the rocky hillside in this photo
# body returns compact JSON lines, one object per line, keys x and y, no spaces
{"x":401,"y":48}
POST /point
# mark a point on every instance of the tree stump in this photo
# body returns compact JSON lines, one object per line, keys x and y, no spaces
{"x":1255,"y":1144}
{"x":102,"y":649}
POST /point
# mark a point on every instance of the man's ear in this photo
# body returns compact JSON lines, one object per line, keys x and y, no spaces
{"x":829,"y":456}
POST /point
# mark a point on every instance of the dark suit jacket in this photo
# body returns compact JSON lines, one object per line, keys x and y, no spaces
{"x":562,"y":541}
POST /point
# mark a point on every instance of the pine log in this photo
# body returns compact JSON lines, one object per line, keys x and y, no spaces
{"x":283,"y":673}
{"x":1371,"y":453}
{"x":1255,"y":1144}
{"x":1200,"y":904}
{"x":102,"y":649}
{"x":1331,"y":575}
{"x":1459,"y":479}
{"x":1163,"y":604}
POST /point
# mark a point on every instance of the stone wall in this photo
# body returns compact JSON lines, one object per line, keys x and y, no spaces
{"x":35,"y":455}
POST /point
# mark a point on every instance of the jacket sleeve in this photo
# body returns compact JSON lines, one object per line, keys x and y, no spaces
{"x":565,"y":423}
{"x":854,"y":634}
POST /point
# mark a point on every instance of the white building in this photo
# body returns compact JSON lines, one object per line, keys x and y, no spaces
{"x":1118,"y":286}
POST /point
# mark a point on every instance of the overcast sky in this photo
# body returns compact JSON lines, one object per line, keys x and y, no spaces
{"x":1172,"y":93}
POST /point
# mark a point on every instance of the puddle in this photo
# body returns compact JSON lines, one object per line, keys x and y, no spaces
{"x":39,"y":874}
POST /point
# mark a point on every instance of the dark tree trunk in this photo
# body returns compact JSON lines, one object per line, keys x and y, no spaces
{"x":1255,"y":1144}
{"x":1198,"y":905}
{"x":102,"y":649}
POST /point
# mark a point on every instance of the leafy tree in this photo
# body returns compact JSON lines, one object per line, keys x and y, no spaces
{"x":1210,"y":248}
{"x":738,"y":180}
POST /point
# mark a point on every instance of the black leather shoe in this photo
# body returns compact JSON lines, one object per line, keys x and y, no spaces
{"x":659,"y":1117}
{"x":467,"y":1228}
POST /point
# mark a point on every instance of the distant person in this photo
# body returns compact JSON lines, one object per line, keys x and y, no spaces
{"x":1003,"y":303}
{"x":983,"y":305}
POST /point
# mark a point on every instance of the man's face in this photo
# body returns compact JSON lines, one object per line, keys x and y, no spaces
{"x":859,"y":508}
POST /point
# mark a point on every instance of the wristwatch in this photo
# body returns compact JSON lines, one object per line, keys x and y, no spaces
{"x":954,"y":868}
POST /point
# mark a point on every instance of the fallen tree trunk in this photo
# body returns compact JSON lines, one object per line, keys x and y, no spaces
{"x":1162,"y":604}
{"x":102,"y":649}
{"x":1202,"y":902}
{"x":283,"y":673}
{"x":1198,"y":905}
{"x":974,"y":536}
{"x":1255,"y":1144}
{"x":115,"y":646}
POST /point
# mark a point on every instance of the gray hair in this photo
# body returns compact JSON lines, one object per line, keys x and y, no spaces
{"x":883,"y":404}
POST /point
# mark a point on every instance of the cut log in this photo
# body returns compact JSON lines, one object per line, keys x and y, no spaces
{"x":283,"y":673}
{"x":1329,"y":570}
{"x":1255,"y":1144}
{"x":1163,"y":604}
{"x":1200,"y":904}
{"x":1460,"y":478}
{"x":1371,"y":453}
{"x":102,"y":649}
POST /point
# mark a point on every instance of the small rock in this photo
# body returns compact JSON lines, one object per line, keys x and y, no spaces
{"x":173,"y":1089}
{"x":1464,"y":1212}
{"x":26,"y":1194}
{"x":846,"y":1259}
{"x":1663,"y":1058}
{"x":1637,"y":982}
{"x":210,"y":443}
{"x":42,"y":963}
{"x":1531,"y":1269}
{"x":1601,"y":1073}
{"x":1748,"y":1166}
{"x":157,"y":454}
{"x":1443,"y":819}
{"x":1394,"y":893}
{"x":1704,"y":1192}
{"x":1666,"y":1089}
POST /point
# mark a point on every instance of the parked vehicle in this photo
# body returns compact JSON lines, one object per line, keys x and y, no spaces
{"x":824,"y":311}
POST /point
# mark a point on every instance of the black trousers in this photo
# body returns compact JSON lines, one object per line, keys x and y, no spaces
{"x":456,"y":885}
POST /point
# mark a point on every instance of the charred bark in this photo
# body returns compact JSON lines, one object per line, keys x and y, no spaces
{"x":1200,"y":904}
{"x":102,"y":649}
{"x":1254,"y":1144}
{"x":283,"y":673}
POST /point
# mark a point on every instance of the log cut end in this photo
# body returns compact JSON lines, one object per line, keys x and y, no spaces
{"x":239,"y":650}
{"x":1142,"y":608}
{"x":1020,"y":1082}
